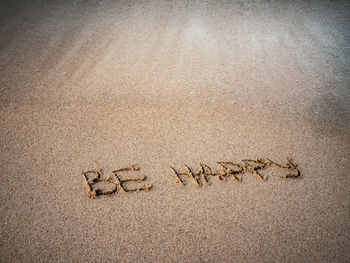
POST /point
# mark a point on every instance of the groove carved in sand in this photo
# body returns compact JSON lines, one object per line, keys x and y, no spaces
{"x":234,"y":171}
{"x":116,"y":183}
{"x":199,"y":177}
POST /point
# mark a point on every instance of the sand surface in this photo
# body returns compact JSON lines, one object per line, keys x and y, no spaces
{"x":107,"y":84}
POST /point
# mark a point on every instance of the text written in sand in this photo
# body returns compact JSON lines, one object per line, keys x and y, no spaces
{"x":97,"y":185}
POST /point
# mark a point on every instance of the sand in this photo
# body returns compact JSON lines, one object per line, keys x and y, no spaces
{"x":108,"y":84}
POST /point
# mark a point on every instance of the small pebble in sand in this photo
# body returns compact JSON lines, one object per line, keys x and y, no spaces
{"x":64,"y":73}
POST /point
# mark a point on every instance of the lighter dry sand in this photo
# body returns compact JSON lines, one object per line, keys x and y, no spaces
{"x":106,"y":84}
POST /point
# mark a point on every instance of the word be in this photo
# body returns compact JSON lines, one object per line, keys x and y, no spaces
{"x":234,"y":170}
{"x":93,"y":177}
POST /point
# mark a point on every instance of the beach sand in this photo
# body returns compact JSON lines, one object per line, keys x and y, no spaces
{"x":108,"y":84}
